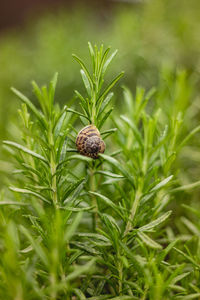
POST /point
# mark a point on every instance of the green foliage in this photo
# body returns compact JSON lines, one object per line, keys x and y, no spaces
{"x":77,"y":228}
{"x":95,"y":104}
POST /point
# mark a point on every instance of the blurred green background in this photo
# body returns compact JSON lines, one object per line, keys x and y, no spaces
{"x":155,"y":39}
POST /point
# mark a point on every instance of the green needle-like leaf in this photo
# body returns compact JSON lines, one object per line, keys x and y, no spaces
{"x":25,"y":150}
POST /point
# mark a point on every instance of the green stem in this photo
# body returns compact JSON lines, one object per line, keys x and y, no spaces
{"x":94,"y":108}
{"x":133,"y":211}
{"x":19,"y":292}
{"x":53,"y":167}
{"x":120,"y":270}
{"x":53,"y":183}
{"x":94,"y":200}
{"x":53,"y":284}
{"x":138,"y":194}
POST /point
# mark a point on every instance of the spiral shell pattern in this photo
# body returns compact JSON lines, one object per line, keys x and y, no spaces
{"x":89,"y":142}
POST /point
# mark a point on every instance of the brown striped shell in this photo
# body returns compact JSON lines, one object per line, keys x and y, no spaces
{"x":89,"y":142}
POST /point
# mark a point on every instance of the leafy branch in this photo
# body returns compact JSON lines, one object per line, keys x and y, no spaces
{"x":94,"y":105}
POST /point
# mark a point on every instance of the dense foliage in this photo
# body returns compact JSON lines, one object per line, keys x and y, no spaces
{"x":112,"y":228}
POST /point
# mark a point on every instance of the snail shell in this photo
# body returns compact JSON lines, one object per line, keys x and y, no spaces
{"x":89,"y":142}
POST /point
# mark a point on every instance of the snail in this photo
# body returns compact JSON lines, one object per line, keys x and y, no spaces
{"x":89,"y":142}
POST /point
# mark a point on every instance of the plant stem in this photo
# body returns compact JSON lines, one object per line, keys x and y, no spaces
{"x":138,"y":194}
{"x":120,"y":270}
{"x":53,"y":283}
{"x":93,"y":108}
{"x":53,"y":167}
{"x":133,"y":211}
{"x":94,"y":200}
{"x":53,"y":183}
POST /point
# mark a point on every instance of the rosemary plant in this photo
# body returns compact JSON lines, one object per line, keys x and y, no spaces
{"x":77,"y":228}
{"x":46,"y":222}
{"x":95,"y":104}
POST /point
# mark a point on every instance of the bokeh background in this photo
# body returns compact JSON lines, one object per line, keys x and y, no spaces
{"x":155,"y":38}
